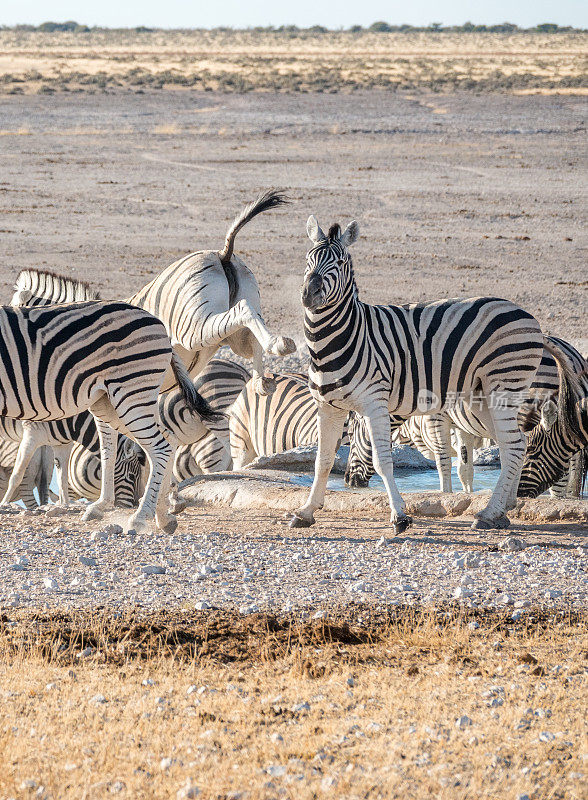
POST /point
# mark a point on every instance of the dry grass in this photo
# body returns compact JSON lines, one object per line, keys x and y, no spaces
{"x":383,"y":697}
{"x":248,"y":60}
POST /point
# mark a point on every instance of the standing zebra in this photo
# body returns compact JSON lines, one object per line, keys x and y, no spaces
{"x":262,"y":426}
{"x":407,"y":360}
{"x":205,"y":299}
{"x":110,"y":358}
{"x":433,"y":432}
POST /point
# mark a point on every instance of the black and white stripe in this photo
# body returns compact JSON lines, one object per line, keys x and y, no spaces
{"x":409,"y":360}
{"x":431,"y":434}
{"x":106,"y":357}
{"x":265,"y":425}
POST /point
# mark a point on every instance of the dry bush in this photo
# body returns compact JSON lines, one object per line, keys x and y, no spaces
{"x":241,"y":61}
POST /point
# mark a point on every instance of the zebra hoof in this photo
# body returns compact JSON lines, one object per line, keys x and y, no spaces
{"x":170,"y":526}
{"x":299,"y":522}
{"x":401,"y":524}
{"x":92,"y":513}
{"x":500,"y":523}
{"x":282,"y":346}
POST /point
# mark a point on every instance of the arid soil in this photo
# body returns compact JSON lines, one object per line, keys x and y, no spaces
{"x":458,"y":195}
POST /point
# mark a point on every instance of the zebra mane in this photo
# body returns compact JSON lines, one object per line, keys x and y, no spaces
{"x":55,"y":288}
{"x":264,"y":202}
{"x":334,"y":232}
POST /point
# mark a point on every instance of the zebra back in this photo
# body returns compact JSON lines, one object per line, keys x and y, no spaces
{"x":271,"y":424}
{"x":36,"y":287}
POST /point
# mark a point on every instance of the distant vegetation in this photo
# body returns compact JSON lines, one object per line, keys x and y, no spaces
{"x":376,"y":27}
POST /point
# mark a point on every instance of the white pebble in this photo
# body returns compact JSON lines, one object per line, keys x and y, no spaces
{"x":463,"y":722}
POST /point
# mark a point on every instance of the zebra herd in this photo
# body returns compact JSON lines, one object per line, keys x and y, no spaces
{"x":121,"y":389}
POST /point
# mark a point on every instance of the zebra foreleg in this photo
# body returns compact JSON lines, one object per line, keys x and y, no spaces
{"x":378,"y":425}
{"x":108,"y":440}
{"x":61,"y":456}
{"x":330,"y":422}
{"x":32,"y":438}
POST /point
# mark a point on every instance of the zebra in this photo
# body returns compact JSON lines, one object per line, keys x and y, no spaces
{"x":560,"y":435}
{"x":106,"y":357}
{"x":61,"y":435}
{"x":264,"y":425}
{"x":409,"y":360}
{"x":219,"y":383}
{"x":431,"y":434}
{"x":205,"y":299}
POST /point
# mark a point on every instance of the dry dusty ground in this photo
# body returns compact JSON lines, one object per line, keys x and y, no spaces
{"x":458,"y":195}
{"x":241,"y":61}
{"x":221,"y":706}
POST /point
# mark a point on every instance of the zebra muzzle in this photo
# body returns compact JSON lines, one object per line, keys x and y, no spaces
{"x":312,"y":292}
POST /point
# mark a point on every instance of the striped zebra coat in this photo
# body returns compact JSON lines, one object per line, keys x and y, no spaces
{"x":560,"y":436}
{"x":219,"y":383}
{"x":109,"y":358}
{"x":432,"y":434}
{"x":61,"y":436}
{"x":407,"y":360}
{"x":265,"y":425}
{"x":205,"y":299}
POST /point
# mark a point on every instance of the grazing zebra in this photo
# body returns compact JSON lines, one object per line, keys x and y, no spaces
{"x":264,"y":425}
{"x":61,"y":435}
{"x":431,"y":434}
{"x":106,"y":357}
{"x":560,"y":435}
{"x":409,"y":360}
{"x":219,"y":383}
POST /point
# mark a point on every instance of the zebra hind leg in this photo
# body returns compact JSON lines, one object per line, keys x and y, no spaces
{"x":330,"y":429}
{"x":512,"y":446}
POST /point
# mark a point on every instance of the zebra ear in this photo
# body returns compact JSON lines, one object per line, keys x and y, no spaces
{"x":350,"y":234}
{"x":313,"y":229}
{"x":548,"y":414}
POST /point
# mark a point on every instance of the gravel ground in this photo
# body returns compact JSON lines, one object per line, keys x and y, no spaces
{"x":249,"y":561}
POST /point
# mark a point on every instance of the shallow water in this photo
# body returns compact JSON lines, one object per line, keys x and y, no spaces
{"x":410,"y":480}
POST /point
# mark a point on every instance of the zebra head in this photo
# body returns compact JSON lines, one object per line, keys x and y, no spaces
{"x":360,"y":465}
{"x":328,"y":277}
{"x":128,"y":473}
{"x":550,"y":445}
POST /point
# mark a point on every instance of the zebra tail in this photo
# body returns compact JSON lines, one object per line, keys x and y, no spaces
{"x":44,"y":475}
{"x":264,"y":202}
{"x":569,"y":391}
{"x":193,"y":399}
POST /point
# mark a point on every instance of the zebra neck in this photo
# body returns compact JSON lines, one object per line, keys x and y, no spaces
{"x":328,"y":329}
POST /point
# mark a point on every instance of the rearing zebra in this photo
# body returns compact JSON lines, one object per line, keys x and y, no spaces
{"x":407,"y":360}
{"x":205,"y":299}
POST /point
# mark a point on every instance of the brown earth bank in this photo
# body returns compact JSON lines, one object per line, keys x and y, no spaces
{"x":456,"y":196}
